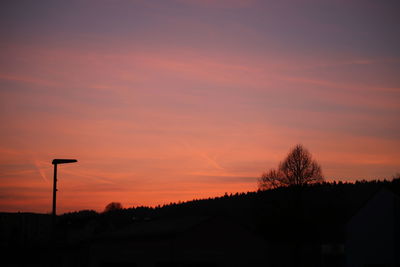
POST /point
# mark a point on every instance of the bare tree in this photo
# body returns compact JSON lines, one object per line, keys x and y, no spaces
{"x":297,"y":169}
{"x":113,"y":206}
{"x":270,"y":180}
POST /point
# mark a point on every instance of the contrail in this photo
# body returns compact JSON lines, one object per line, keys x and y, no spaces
{"x":203,"y":155}
{"x":40,"y":170}
{"x":211,"y":161}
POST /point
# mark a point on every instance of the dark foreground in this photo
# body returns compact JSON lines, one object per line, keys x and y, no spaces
{"x":322,"y":225}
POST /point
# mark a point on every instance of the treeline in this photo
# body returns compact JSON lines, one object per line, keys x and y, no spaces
{"x":320,"y":211}
{"x":315,"y":208}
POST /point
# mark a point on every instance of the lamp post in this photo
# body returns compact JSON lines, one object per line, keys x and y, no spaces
{"x":55,"y":163}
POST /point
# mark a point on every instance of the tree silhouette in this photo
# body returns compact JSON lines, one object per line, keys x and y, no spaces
{"x":113,"y":206}
{"x":270,"y":180}
{"x":297,"y":169}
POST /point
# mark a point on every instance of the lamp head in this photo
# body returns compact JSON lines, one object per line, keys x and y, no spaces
{"x":62,"y":161}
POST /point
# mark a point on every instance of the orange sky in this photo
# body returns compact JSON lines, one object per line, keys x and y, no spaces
{"x":165,"y":101}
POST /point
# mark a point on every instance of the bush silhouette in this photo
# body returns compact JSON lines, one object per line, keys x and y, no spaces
{"x":113,"y":206}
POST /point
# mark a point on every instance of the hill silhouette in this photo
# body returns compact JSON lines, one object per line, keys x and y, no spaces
{"x":314,"y":214}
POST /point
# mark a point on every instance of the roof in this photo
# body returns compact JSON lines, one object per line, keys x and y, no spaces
{"x":382,"y":190}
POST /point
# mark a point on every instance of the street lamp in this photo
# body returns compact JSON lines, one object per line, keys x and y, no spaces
{"x":55,"y":163}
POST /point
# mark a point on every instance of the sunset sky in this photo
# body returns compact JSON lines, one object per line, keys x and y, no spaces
{"x":170,"y":100}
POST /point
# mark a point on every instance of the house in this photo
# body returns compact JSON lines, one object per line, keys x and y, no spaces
{"x":373,"y":233}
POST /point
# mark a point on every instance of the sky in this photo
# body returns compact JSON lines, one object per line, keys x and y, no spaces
{"x":171,"y":100}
